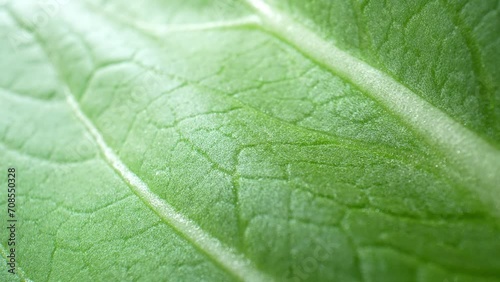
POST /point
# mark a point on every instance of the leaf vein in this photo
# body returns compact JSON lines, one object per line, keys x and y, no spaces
{"x":466,"y":150}
{"x":228,"y":259}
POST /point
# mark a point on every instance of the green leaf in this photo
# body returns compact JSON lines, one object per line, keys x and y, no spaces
{"x":260,"y":140}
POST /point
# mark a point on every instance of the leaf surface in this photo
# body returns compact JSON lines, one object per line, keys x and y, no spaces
{"x":258,"y":140}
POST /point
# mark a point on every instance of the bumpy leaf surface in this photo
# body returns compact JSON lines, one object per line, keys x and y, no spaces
{"x":260,"y":140}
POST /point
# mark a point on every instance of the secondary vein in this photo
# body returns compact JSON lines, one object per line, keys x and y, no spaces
{"x":228,"y":259}
{"x":162,"y":29}
{"x":465,"y":149}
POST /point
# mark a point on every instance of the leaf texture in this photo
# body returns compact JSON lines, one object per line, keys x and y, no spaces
{"x":259,"y":140}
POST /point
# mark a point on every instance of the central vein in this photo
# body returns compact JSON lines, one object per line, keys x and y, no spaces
{"x":465,"y":149}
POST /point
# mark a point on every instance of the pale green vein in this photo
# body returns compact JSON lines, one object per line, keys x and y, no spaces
{"x":465,"y":149}
{"x":19,"y":272}
{"x":227,"y":258}
{"x":233,"y":263}
{"x":162,"y":29}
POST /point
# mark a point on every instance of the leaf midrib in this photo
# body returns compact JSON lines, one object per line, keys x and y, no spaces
{"x":363,"y":87}
{"x":467,"y":151}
